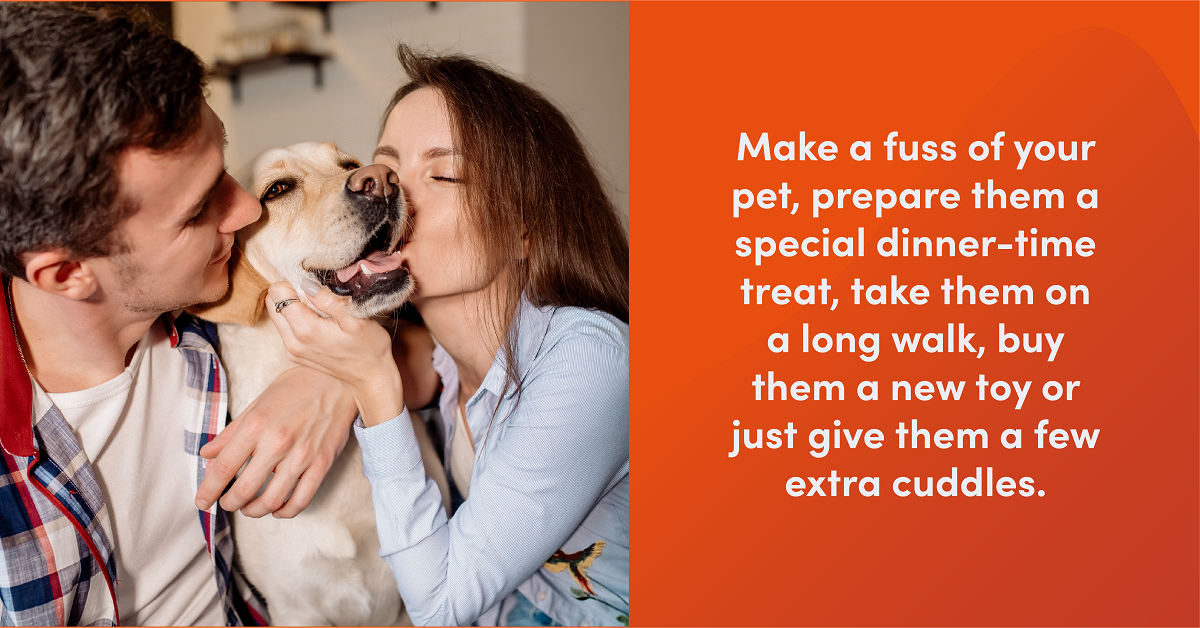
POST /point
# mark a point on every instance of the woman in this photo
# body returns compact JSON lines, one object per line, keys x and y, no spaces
{"x":521,"y":271}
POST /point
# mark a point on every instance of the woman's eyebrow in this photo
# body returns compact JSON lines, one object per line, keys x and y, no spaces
{"x":441,"y":151}
{"x":387,"y":151}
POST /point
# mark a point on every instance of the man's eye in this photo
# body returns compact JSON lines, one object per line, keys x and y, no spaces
{"x":199,"y":215}
{"x":276,"y":189}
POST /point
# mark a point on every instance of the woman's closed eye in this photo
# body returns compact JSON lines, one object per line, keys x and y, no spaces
{"x":447,"y":179}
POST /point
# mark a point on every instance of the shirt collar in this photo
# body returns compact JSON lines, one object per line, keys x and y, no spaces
{"x":186,"y":331}
{"x":16,"y":390}
{"x":168,"y":323}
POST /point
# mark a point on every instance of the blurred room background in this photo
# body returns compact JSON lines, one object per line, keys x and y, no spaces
{"x":272,"y":56}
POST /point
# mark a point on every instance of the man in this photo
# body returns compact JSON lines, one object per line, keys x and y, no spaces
{"x":116,"y":212}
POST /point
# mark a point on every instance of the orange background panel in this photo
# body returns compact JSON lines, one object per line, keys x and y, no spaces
{"x":1115,"y":539}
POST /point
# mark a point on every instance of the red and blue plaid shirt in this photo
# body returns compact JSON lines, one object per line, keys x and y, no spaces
{"x":57,"y":565}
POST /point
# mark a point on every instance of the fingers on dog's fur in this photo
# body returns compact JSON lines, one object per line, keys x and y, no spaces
{"x":272,"y":498}
{"x":248,"y":483}
{"x":305,"y":489}
{"x":289,"y":479}
{"x":276,"y":454}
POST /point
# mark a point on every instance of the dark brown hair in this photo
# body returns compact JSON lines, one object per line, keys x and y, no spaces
{"x":79,"y":87}
{"x":526,"y":172}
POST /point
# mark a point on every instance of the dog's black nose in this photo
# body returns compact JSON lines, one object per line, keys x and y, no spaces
{"x":376,"y":181}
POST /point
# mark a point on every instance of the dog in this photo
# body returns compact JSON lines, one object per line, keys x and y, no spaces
{"x":329,"y":219}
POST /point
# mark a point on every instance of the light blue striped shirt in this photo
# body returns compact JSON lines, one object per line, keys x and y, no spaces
{"x":550,"y":481}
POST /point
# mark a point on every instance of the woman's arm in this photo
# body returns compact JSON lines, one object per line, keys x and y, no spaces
{"x":545,"y":467}
{"x":412,"y":348}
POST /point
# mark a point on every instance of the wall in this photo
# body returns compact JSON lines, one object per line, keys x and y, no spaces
{"x":576,"y":53}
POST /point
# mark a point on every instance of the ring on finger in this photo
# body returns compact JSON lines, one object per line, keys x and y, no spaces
{"x":279,"y":305}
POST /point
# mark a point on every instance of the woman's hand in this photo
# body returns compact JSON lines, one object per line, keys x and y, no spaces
{"x":354,"y":350}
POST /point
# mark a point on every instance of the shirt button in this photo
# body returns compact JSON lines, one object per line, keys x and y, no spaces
{"x":542,"y":596}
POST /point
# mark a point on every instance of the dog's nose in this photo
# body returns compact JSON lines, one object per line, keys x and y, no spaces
{"x":376,"y":180}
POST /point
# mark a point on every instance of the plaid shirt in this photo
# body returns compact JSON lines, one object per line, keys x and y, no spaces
{"x":56,"y":559}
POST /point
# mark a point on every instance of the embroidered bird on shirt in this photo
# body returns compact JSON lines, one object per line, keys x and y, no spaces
{"x":577,"y":562}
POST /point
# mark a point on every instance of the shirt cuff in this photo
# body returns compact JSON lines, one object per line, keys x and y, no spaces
{"x":389,"y":448}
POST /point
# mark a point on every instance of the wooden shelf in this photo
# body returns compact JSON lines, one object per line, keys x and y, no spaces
{"x":323,"y":7}
{"x":233,"y":71}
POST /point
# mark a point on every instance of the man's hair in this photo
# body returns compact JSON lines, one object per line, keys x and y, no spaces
{"x":77,"y":87}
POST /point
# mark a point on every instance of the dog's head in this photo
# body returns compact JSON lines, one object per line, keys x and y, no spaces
{"x":326,"y":218}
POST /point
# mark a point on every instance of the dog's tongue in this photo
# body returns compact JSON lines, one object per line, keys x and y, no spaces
{"x":374,"y":263}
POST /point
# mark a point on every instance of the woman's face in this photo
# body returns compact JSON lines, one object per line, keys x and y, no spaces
{"x":442,"y":252}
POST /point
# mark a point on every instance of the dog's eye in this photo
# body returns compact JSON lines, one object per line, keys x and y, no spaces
{"x":276,"y":189}
{"x":351,"y":165}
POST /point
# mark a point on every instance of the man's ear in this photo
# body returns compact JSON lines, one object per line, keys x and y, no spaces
{"x":246,"y":299}
{"x":57,"y":272}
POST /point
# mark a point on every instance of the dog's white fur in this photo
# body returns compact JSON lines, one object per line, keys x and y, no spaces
{"x":321,"y":567}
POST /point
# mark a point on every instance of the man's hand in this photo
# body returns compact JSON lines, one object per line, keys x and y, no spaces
{"x":296,"y":429}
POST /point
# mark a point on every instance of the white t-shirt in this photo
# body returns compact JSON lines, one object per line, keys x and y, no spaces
{"x":133,"y":434}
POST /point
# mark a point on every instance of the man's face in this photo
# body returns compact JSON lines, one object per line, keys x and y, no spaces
{"x":178,"y":240}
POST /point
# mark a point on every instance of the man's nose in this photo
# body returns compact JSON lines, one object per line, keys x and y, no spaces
{"x":244,"y":208}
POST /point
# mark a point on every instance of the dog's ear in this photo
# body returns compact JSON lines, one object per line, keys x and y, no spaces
{"x":246,"y":299}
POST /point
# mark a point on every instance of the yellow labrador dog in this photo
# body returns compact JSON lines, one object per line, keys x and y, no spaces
{"x":326,"y":218}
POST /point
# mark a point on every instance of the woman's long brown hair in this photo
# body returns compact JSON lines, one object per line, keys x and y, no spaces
{"x":527,"y":179}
